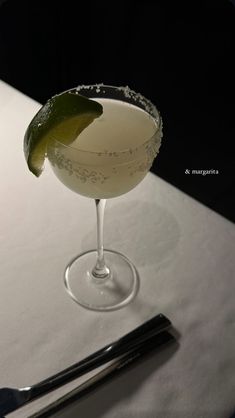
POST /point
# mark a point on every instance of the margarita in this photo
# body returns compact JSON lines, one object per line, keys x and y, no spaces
{"x":112,"y":155}
{"x":101,"y":142}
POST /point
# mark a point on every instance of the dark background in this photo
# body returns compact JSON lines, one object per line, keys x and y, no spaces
{"x":178,"y":54}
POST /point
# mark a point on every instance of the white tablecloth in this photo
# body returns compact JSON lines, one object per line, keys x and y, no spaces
{"x":185,"y":256}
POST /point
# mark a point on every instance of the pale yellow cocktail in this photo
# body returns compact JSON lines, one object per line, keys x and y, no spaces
{"x":112,"y":155}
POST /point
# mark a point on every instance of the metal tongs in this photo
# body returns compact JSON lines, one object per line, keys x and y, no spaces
{"x":130,"y":347}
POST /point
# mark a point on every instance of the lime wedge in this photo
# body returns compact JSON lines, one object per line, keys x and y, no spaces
{"x":63,"y":118}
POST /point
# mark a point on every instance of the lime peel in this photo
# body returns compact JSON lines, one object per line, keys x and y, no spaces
{"x":63,"y":117}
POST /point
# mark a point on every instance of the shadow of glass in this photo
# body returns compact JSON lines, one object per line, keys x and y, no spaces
{"x":145,"y":232}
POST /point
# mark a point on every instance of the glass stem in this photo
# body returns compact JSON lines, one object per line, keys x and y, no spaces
{"x":100,"y":271}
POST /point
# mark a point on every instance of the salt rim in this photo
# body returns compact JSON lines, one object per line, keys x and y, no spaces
{"x":128,"y":93}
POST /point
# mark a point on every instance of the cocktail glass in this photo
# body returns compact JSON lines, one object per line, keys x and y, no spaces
{"x":109,"y":158}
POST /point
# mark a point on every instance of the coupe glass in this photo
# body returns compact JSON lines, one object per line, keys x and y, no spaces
{"x":109,"y":158}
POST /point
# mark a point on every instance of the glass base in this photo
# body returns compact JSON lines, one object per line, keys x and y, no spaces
{"x":101,"y":294}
